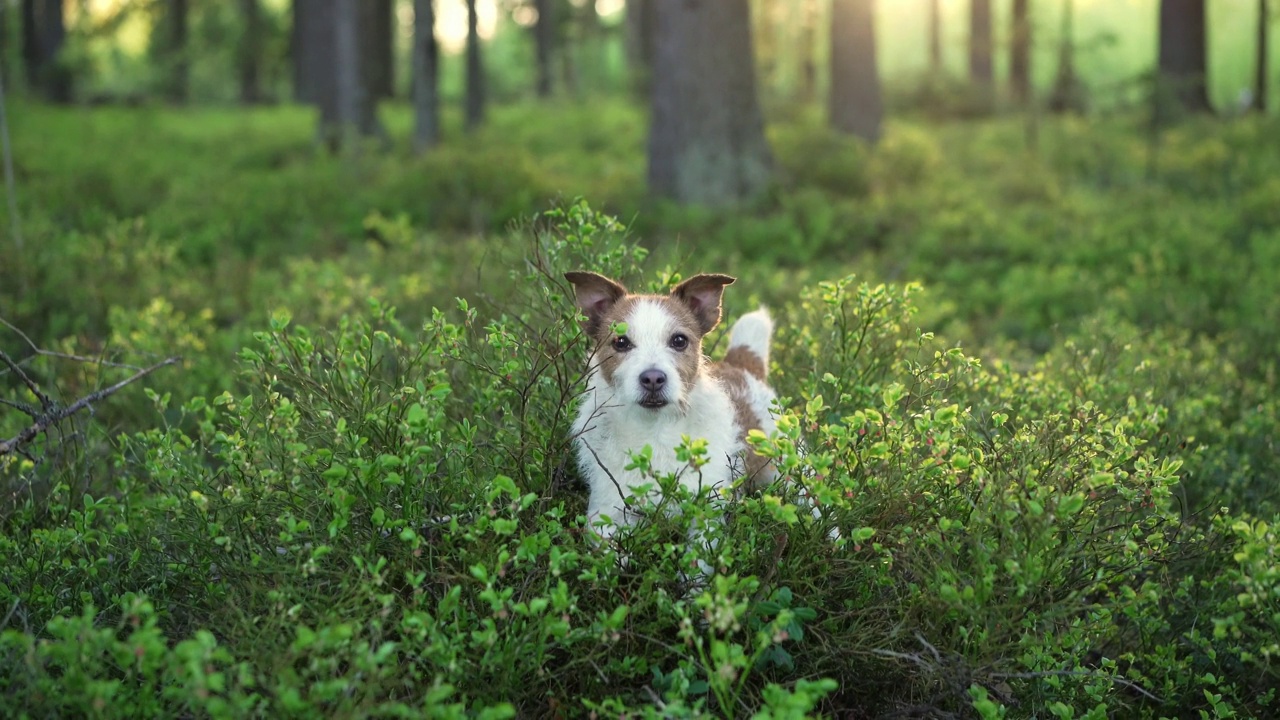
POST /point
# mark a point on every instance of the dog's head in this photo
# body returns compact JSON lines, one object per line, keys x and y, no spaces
{"x":648,"y":348}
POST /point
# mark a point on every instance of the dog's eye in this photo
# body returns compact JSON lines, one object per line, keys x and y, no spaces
{"x":679,"y":342}
{"x":621,"y":343}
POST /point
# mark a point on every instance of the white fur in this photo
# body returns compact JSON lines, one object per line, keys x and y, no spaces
{"x":611,"y":424}
{"x":753,"y":331}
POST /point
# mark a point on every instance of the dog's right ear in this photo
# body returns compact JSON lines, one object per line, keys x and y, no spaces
{"x":596,"y":295}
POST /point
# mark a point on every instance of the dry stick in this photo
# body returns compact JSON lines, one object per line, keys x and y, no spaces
{"x":61,"y":356}
{"x":8,"y":173}
{"x":12,"y":444}
{"x":45,"y":402}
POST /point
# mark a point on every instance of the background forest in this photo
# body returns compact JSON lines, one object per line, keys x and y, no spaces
{"x":287,"y":360}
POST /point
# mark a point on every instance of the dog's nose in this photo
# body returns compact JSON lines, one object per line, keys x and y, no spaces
{"x":653,"y":380}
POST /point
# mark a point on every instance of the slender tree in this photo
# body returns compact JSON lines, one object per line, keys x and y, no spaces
{"x":334,"y":75}
{"x":475,"y":71}
{"x":1261,"y":80}
{"x":544,"y":38}
{"x":44,"y":32}
{"x":981,"y":67}
{"x":1183,"y":57}
{"x":1020,"y":51}
{"x":251,"y":42}
{"x":706,"y":139}
{"x":807,"y":87}
{"x":171,"y":45}
{"x":639,"y":42}
{"x":1067,"y":94}
{"x":377,"y":26}
{"x":855,"y":105}
{"x":426,"y":76}
{"x":4,"y":43}
{"x":935,"y":38}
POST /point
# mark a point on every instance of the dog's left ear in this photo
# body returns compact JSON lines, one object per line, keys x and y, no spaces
{"x":701,"y":294}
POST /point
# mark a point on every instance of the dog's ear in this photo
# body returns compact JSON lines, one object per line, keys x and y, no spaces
{"x":701,"y":294}
{"x":595,"y":294}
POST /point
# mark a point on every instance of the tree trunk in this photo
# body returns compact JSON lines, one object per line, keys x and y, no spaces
{"x":935,"y":38}
{"x":807,"y":87}
{"x":1183,"y":58}
{"x":4,"y":44}
{"x":336,"y":75}
{"x":544,"y":38}
{"x":855,"y":105}
{"x":173,"y":51}
{"x":475,"y":71}
{"x":377,"y":25}
{"x":981,"y":70}
{"x":426,"y":76}
{"x":1067,"y":94}
{"x":1261,"y":84}
{"x":251,"y":53}
{"x":639,"y":42}
{"x":1020,"y":52}
{"x":706,"y":141}
{"x":44,"y":32}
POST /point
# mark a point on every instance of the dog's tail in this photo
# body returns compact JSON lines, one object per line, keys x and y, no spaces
{"x":749,"y":343}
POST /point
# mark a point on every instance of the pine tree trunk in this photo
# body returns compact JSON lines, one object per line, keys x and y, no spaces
{"x":475,"y":71}
{"x":174,"y":54}
{"x":251,"y":53}
{"x":706,"y":141}
{"x":855,"y":105}
{"x":44,"y":32}
{"x":1183,"y":58}
{"x":426,"y":77}
{"x":935,"y":38}
{"x":981,"y":70}
{"x":377,"y":25}
{"x":1067,"y":94}
{"x":1020,"y":52}
{"x":1261,"y":82}
{"x":807,"y":87}
{"x":639,"y":43}
{"x":544,"y":37}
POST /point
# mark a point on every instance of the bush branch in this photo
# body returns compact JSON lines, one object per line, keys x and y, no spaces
{"x":53,"y":414}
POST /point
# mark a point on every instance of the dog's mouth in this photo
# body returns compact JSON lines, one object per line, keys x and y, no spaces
{"x":653,"y":402}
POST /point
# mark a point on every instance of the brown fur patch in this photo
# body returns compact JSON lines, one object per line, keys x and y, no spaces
{"x":733,"y":379}
{"x":688,"y":362}
{"x":747,"y":359}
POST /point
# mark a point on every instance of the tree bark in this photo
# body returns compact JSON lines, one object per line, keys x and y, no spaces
{"x":1020,"y":52}
{"x":1067,"y":94}
{"x":426,"y":77}
{"x":1261,"y":81}
{"x":706,"y":141}
{"x":336,"y":77}
{"x":855,"y":105}
{"x":378,"y":47}
{"x":544,"y":38}
{"x":639,"y":42}
{"x":807,"y":87}
{"x":173,"y":51}
{"x":935,"y":38}
{"x":1183,"y":59}
{"x":44,"y":32}
{"x":981,"y":70}
{"x":474,"y":115}
{"x":251,"y":53}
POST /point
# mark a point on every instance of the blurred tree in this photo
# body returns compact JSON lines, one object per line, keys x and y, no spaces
{"x":935,"y":38}
{"x":544,"y":38}
{"x":1183,"y":58}
{"x":378,"y":46}
{"x":639,"y":42}
{"x":1261,"y":81}
{"x":1068,"y":93}
{"x":426,"y":76}
{"x":44,"y":31}
{"x":807,"y":86}
{"x":981,"y":54}
{"x":169,"y":46}
{"x":474,"y":115}
{"x":1020,"y":52}
{"x":706,"y":138}
{"x":855,"y":105}
{"x":4,"y":43}
{"x":331,"y":69}
{"x":251,"y":50}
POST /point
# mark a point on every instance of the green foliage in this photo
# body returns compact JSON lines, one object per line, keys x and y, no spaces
{"x":358,"y":497}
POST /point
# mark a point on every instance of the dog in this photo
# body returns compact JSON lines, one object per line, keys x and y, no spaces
{"x":650,"y":385}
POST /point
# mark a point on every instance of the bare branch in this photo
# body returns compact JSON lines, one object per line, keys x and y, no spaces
{"x":63,"y":356}
{"x":50,"y":418}
{"x":31,"y":385}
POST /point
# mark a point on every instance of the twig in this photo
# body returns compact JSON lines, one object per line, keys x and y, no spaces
{"x":10,"y":188}
{"x":62,"y":356}
{"x":49,"y":418}
{"x":9,"y":615}
{"x":31,"y":385}
{"x":1079,"y":673}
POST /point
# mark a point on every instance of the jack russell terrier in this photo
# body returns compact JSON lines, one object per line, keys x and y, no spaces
{"x":651,"y":385}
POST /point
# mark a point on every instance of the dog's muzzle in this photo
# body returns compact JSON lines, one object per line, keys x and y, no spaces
{"x":653,"y":385}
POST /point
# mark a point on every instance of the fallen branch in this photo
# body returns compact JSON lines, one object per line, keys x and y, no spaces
{"x":54,"y":414}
